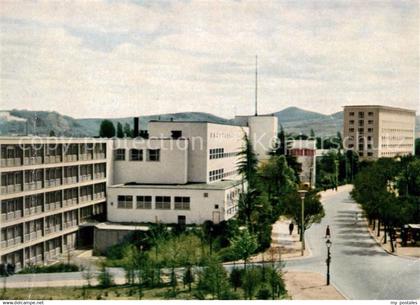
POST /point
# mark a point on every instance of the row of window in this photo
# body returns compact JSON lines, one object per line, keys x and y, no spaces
{"x":161,"y":202}
{"x":397,"y":130}
{"x":361,"y":122}
{"x":217,"y":153}
{"x":216,"y":174}
{"x":137,"y":154}
{"x":351,"y":129}
{"x":361,"y":114}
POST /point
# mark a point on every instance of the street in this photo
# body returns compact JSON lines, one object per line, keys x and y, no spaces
{"x":360,"y":269}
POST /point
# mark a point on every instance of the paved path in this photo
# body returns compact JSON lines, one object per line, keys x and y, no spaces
{"x":360,"y":268}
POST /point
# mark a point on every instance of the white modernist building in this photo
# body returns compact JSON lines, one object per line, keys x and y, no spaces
{"x":54,"y":189}
{"x":185,"y":172}
{"x":305,"y":153}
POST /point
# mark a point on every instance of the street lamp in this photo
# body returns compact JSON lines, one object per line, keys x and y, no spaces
{"x":328,"y":261}
{"x":302,"y":194}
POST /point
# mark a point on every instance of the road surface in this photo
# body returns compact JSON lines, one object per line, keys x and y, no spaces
{"x":360,"y":268}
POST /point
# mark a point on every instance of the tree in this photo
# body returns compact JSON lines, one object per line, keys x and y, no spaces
{"x":247,"y":165}
{"x":128,"y":132}
{"x":244,"y":245}
{"x":107,"y":129}
{"x":105,"y":279}
{"x":235,"y":278}
{"x":120,"y":132}
{"x":314,"y":211}
{"x":417,"y":147}
{"x":250,"y":282}
{"x":188,"y":278}
{"x":52,"y":133}
{"x":213,"y":279}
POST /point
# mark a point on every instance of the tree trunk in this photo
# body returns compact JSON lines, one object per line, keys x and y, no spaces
{"x":391,"y":240}
{"x":374,"y":225}
{"x":379,"y":228}
{"x":385,"y":232}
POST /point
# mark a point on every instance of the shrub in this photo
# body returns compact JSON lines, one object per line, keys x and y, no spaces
{"x":50,"y":269}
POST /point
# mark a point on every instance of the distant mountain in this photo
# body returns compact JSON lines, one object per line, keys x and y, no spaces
{"x":294,"y":120}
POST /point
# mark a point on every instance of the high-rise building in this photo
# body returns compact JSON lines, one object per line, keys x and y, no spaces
{"x":379,"y":131}
{"x":49,"y":187}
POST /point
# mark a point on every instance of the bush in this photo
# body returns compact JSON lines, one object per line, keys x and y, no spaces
{"x":264,"y":293}
{"x":228,"y":255}
{"x":50,"y":269}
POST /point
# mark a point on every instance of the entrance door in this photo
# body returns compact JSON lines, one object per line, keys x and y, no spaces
{"x":182,"y":220}
{"x":216,"y":217}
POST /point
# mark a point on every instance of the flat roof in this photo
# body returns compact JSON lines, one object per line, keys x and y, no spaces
{"x":119,"y":226}
{"x":194,"y":122}
{"x":381,"y":107}
{"x":218,"y":185}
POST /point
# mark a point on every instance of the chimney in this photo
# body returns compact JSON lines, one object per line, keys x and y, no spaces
{"x":136,"y":127}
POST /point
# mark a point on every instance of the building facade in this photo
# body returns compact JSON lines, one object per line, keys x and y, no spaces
{"x":305,"y":153}
{"x":379,"y":131}
{"x":49,"y":187}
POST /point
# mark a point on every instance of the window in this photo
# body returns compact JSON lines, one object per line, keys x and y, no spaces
{"x":351,"y":129}
{"x":370,"y":113}
{"x":136,"y":155}
{"x":370,"y":122}
{"x":153,"y":155}
{"x":370,"y":154}
{"x":369,"y":146}
{"x":351,"y":122}
{"x":144,"y":202}
{"x":206,"y":195}
{"x":370,"y":129}
{"x":176,"y":134}
{"x":351,"y":113}
{"x":216,"y":174}
{"x":125,"y":202}
{"x":361,"y":115}
{"x":182,"y":220}
{"x":182,"y":203}
{"x":369,"y":138}
{"x":163,"y":202}
{"x":217,"y":153}
{"x":361,"y":129}
{"x":120,"y":154}
{"x":361,"y":154}
{"x":216,"y":206}
{"x":361,"y":122}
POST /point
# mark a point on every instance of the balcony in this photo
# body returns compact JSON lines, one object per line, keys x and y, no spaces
{"x":11,"y":242}
{"x":70,"y":180}
{"x":33,"y":210}
{"x":33,"y":235}
{"x":34,"y":260}
{"x":36,"y":185}
{"x":32,"y":160}
{"x":52,"y":159}
{"x":100,"y":175}
{"x":85,"y":178}
{"x":11,"y":216}
{"x":11,"y":162}
{"x":52,"y":229}
{"x":99,"y":156}
{"x":100,"y":195}
{"x":52,"y":206}
{"x":85,"y":198}
{"x":69,"y":202}
{"x":85,"y":157}
{"x":70,"y":224}
{"x":70,"y":158}
{"x":13,"y":188}
{"x":53,"y":182}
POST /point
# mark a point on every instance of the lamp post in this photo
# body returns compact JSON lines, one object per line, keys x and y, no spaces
{"x":328,"y":261}
{"x":302,"y":194}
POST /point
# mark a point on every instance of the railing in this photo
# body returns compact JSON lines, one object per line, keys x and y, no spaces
{"x":69,"y":202}
{"x":53,"y":182}
{"x":52,"y":229}
{"x":98,"y":156}
{"x":53,"y":206}
{"x":70,"y":180}
{"x":11,"y":216}
{"x":52,"y":159}
{"x":11,"y":242}
{"x":33,"y":210}
{"x":33,"y":235}
{"x":36,"y":185}
{"x":98,"y":195}
{"x":32,"y":160}
{"x":14,"y":188}
{"x":70,"y":224}
{"x":86,"y":198}
{"x":85,"y":177}
{"x":11,"y":162}
{"x":70,"y":158}
{"x":99,"y":175}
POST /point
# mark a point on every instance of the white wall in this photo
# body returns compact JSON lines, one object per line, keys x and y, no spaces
{"x":263,"y":133}
{"x":201,"y":208}
{"x":171,"y":169}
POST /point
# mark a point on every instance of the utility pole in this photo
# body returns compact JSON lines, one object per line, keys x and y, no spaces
{"x":256,"y":85}
{"x":302,"y":194}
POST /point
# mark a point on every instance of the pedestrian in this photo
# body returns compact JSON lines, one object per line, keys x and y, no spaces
{"x":328,"y":232}
{"x":291,"y":226}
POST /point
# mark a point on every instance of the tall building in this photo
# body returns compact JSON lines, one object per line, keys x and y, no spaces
{"x":379,"y":131}
{"x":49,"y":188}
{"x":305,"y":153}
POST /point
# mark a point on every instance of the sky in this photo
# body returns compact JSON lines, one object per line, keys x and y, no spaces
{"x":125,"y":58}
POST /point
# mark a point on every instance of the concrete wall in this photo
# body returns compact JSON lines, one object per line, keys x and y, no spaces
{"x":103,"y":239}
{"x":202,"y":206}
{"x":263,"y":134}
{"x":170,"y":169}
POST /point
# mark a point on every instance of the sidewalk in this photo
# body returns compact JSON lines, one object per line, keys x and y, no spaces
{"x":309,"y":286}
{"x":411,"y":252}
